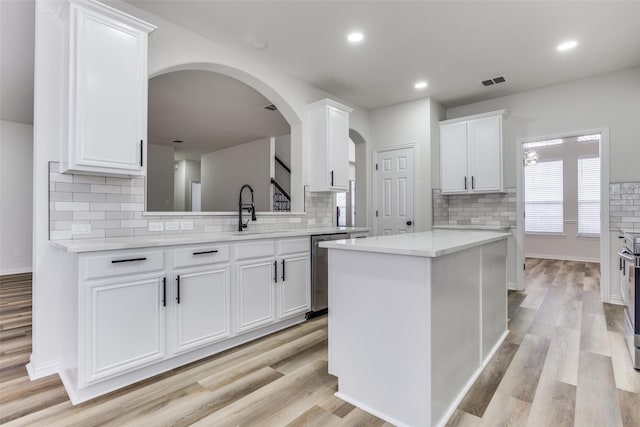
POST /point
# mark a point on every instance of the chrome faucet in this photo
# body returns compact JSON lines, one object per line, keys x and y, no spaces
{"x":249,"y":207}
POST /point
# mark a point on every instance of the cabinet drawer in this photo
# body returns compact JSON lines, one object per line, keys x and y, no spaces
{"x":292,"y":246}
{"x":200,"y":255}
{"x":120,"y":263}
{"x":255,"y":249}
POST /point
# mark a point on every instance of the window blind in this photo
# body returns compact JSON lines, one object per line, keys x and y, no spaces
{"x":589,"y":195}
{"x":543,"y":197}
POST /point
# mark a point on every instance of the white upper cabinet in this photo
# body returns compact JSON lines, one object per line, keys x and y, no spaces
{"x":327,"y":133}
{"x":107,"y":101}
{"x":471,"y":154}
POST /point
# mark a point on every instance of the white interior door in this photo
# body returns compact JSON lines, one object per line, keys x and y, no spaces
{"x":395,"y":183}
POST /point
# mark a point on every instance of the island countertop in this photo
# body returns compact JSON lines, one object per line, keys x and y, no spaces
{"x":425,"y":244}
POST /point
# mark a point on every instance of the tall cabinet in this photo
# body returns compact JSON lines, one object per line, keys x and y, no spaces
{"x":327,"y":130}
{"x":471,"y":154}
{"x":107,"y":91}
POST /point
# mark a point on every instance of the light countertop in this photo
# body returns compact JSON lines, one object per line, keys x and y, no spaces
{"x":427,"y":244}
{"x":149,"y":241}
{"x":472,"y":227}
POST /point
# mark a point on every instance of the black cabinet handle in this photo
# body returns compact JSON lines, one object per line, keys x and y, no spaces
{"x":117,"y":261}
{"x":620,"y":266}
{"x":141,"y":153}
{"x":332,"y":178}
{"x":178,"y":289}
{"x":206,"y":252}
{"x":465,"y":182}
{"x":275,"y":274}
{"x":409,"y":223}
{"x":473,"y":184}
{"x":164,"y":291}
{"x":283,"y":271}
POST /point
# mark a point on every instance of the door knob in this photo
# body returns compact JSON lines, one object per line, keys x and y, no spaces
{"x":409,"y":223}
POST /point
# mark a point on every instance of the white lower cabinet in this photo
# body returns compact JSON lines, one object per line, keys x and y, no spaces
{"x":295,"y":295}
{"x":121,"y":318}
{"x":154,"y":309}
{"x":201,"y":306}
{"x":255,"y":293}
{"x":275,"y":285}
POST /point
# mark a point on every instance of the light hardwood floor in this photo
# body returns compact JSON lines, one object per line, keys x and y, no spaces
{"x":563,"y":363}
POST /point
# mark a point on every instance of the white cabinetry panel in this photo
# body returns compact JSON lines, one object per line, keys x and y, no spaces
{"x":327,"y":132}
{"x":471,"y":154}
{"x":255,"y":293}
{"x":295,"y":289}
{"x":124,"y":327}
{"x":202,"y":313}
{"x":107,"y":108}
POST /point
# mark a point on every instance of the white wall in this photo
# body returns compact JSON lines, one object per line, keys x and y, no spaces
{"x":248,"y":163}
{"x":160,"y":178}
{"x":406,"y":123}
{"x":16,"y":203}
{"x":607,"y":100}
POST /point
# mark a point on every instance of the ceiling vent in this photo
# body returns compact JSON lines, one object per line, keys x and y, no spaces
{"x":271,"y":107}
{"x":494,"y":81}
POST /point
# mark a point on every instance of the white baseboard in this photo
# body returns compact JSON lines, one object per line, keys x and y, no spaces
{"x":16,"y":270}
{"x":563,"y":257}
{"x":615,"y":299}
{"x":45,"y":369}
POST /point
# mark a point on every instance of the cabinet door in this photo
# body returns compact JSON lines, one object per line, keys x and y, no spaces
{"x":295,"y":286}
{"x":202,"y":310}
{"x":453,"y":158}
{"x":108,"y":87}
{"x":124,"y":327}
{"x":338,"y":146}
{"x":485,"y":153}
{"x":255,"y":294}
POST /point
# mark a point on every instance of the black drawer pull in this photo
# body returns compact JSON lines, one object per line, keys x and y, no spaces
{"x":206,"y":252}
{"x":465,"y":182}
{"x":283,"y":275}
{"x":116,"y":261}
{"x":275,"y":274}
{"x":178,"y":289}
{"x":164,"y":291}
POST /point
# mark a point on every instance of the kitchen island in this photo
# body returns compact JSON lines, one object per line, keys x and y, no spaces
{"x":414,"y":318}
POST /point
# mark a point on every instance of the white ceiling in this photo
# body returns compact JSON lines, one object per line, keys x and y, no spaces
{"x":453,"y":45}
{"x":209,"y":111}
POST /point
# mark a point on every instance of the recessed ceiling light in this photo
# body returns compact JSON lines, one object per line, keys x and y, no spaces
{"x":259,"y":45}
{"x":178,"y":141}
{"x":567,"y":45}
{"x":420,"y":85}
{"x":355,"y":37}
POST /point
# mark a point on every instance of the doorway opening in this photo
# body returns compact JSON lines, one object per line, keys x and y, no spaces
{"x":562,"y":202}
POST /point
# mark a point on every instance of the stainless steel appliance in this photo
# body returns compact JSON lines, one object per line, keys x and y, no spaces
{"x":319,"y":273}
{"x":630,"y":265}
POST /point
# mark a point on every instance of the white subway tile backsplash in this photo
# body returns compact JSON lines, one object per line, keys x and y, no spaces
{"x":120,"y":198}
{"x":89,"y":179}
{"x":72,"y":188}
{"x":88,"y":215}
{"x":134,"y":207}
{"x":114,"y":207}
{"x":105,"y":206}
{"x":88,"y":197}
{"x":58,"y":177}
{"x":108,"y":189}
{"x":71,"y":206}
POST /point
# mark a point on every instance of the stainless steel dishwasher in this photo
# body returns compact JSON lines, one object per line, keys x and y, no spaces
{"x":319,"y":273}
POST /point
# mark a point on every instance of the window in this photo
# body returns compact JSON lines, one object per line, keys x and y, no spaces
{"x":589,"y":196}
{"x":543,"y":197}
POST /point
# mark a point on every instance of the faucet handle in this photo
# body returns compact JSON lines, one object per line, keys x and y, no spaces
{"x":245,"y":224}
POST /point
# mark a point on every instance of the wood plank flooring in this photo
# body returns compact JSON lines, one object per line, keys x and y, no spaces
{"x":563,"y":364}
